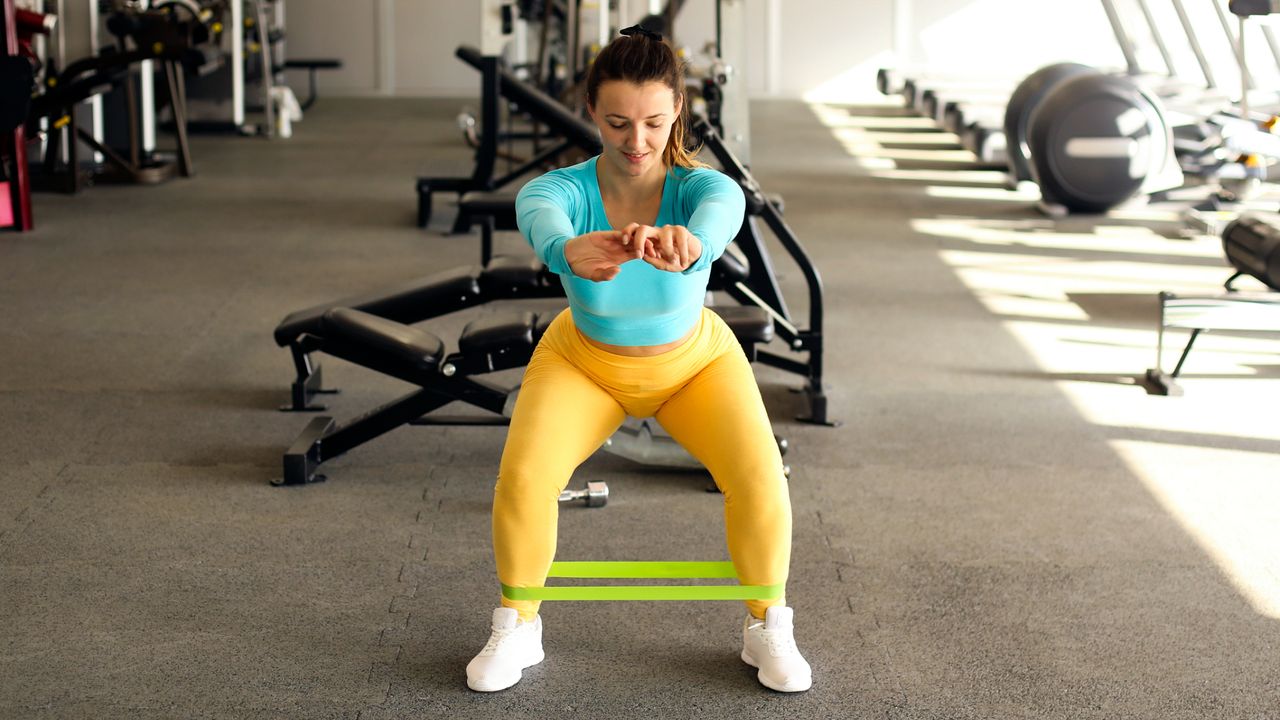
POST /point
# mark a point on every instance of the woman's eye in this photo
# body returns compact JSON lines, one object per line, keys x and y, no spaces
{"x":655,"y":127}
{"x":617,"y":127}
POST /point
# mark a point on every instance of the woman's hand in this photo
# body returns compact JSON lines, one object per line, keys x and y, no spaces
{"x":670,"y":247}
{"x":597,"y":256}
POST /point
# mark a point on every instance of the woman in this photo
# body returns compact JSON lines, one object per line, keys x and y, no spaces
{"x":632,"y":233}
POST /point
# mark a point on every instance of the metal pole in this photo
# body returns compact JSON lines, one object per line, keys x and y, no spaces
{"x":1270,"y":36}
{"x":1158,"y":37}
{"x":1177,"y":369}
{"x":1194,"y":41}
{"x":268,"y":69}
{"x":1245,"y":81}
{"x":146,"y":71}
{"x":237,"y":63}
{"x":1237,"y":44}
{"x":147,"y":90}
{"x":65,"y":134}
{"x":1164,"y":298}
{"x":1122,"y":38}
{"x":719,"y":45}
{"x":572,"y":19}
{"x":178,"y":92}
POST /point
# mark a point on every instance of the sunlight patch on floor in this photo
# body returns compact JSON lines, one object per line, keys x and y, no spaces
{"x":1229,"y":501}
{"x":1080,"y":296}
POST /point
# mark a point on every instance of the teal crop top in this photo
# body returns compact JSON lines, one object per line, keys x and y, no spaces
{"x":642,"y":305}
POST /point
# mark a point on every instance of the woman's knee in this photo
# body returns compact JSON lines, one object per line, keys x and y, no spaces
{"x":767,"y":497}
{"x":761,"y":474}
{"x":522,"y":483}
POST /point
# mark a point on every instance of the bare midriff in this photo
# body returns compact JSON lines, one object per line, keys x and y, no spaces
{"x":641,"y":350}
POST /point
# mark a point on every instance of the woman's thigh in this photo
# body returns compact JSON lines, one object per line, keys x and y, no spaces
{"x":560,"y":418}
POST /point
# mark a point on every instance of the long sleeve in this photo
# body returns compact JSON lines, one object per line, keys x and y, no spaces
{"x":714,"y":205}
{"x":545,"y":208}
{"x":641,"y":305}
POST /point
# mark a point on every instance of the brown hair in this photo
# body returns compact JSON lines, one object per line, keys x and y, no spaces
{"x":641,"y":58}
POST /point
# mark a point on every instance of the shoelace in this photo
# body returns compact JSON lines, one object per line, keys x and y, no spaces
{"x":498,"y":638}
{"x":779,"y":642}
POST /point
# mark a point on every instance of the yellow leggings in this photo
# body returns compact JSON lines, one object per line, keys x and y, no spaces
{"x":575,"y":395}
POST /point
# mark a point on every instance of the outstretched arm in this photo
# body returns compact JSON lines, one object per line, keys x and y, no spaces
{"x":716,"y":205}
{"x":544,"y":208}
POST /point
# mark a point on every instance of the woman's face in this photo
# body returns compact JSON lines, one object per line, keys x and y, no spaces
{"x":635,"y":122}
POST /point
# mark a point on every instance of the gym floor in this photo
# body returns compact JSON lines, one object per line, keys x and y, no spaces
{"x":1004,"y":525}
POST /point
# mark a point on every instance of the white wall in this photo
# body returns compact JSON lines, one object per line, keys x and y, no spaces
{"x":992,"y":34}
{"x":335,"y":29}
{"x":426,"y":34}
{"x":832,"y":49}
{"x":817,"y":48}
{"x":388,"y":47}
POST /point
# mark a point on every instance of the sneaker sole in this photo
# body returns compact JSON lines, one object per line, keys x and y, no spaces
{"x":495,"y":688}
{"x":780,"y":687}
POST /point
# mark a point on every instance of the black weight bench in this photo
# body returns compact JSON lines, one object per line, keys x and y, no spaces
{"x":311,"y":66}
{"x":418,"y":357}
{"x":503,"y":278}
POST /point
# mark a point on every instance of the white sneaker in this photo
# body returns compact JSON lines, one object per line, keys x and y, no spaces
{"x":512,"y":647}
{"x":769,"y":645}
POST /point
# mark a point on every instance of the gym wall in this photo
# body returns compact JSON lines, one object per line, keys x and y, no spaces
{"x":818,"y":49}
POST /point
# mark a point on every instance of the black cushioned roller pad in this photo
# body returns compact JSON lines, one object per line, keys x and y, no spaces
{"x":749,"y":324}
{"x":380,"y":344}
{"x":508,"y":273}
{"x":498,"y":332}
{"x":442,"y":292}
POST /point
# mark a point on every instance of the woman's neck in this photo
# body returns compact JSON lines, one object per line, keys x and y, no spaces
{"x":616,"y":185}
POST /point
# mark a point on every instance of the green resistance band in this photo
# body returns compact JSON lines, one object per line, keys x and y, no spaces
{"x":644,"y":570}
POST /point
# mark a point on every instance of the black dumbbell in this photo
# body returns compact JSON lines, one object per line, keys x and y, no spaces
{"x":595,"y":494}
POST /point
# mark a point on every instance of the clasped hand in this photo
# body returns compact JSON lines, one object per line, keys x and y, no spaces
{"x":599,"y":255}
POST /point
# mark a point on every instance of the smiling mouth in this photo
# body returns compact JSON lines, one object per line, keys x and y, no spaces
{"x":635,"y":157}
